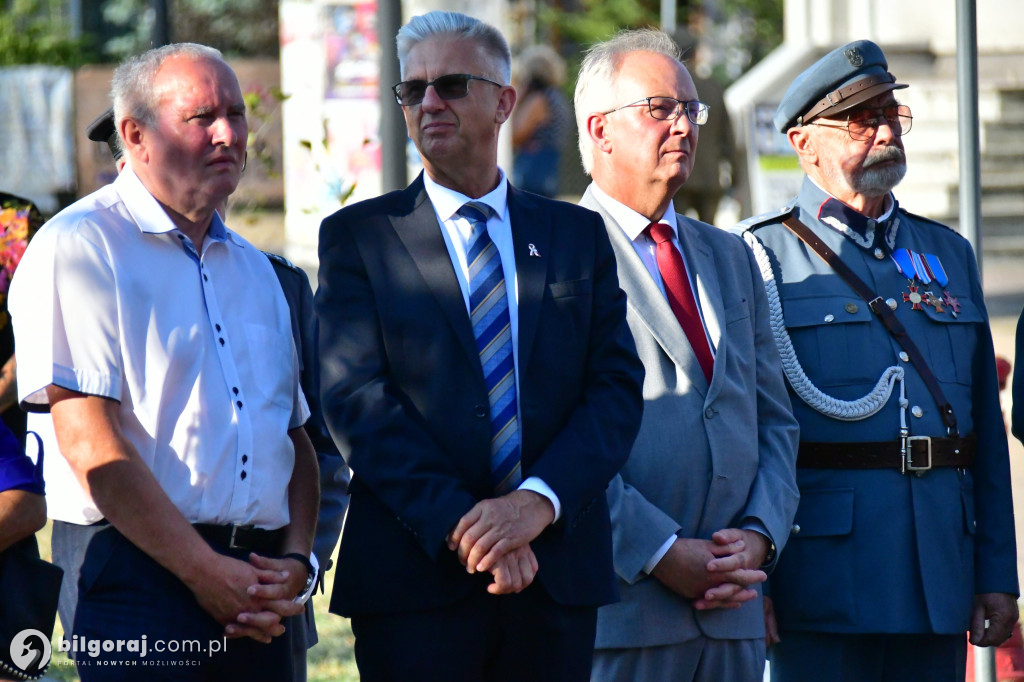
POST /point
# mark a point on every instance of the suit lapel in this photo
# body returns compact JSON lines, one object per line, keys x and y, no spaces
{"x":700,"y":258}
{"x":647,"y":300}
{"x":419,"y":231}
{"x":531,"y":233}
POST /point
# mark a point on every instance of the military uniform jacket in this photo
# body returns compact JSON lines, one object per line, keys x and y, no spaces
{"x":876,"y":550}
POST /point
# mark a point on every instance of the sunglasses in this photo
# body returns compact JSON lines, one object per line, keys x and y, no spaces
{"x":450,"y":86}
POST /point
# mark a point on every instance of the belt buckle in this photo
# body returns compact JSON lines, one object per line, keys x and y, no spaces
{"x":908,"y":455}
{"x":235,"y":527}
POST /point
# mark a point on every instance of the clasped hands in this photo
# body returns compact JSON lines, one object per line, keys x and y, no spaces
{"x":494,"y":536}
{"x":717,"y":573}
{"x":250,"y":598}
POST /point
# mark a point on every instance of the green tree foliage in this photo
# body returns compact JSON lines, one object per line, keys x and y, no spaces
{"x":38,"y":32}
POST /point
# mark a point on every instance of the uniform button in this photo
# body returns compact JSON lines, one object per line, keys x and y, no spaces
{"x":904,"y":357}
{"x":235,"y":389}
{"x":796,"y":529}
{"x":917,"y":411}
{"x":879,"y":254}
{"x":239,"y":403}
{"x":245,"y":458}
{"x":891,"y":302}
{"x":205,"y":278}
{"x":851,"y":308}
{"x":243,"y":475}
{"x":217,"y":327}
{"x":480,"y":411}
{"x":830,"y":317}
{"x":709,"y":412}
{"x":221,"y":339}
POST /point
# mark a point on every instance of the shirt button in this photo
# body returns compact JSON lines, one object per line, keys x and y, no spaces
{"x":239,"y":403}
{"x":243,"y":475}
{"x":480,"y":411}
{"x":235,"y":389}
{"x":217,"y":327}
{"x":245,"y":458}
{"x":205,"y":278}
{"x":221,"y":339}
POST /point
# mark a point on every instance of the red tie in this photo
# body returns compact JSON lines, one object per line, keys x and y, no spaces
{"x":680,"y":295}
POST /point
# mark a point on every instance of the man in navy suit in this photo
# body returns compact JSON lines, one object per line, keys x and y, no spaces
{"x":482,"y":428}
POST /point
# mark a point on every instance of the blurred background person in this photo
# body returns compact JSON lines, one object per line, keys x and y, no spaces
{"x":541,"y":121}
{"x":715,"y":165}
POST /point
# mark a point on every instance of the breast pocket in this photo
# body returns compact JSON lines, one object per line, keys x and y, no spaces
{"x":834,"y":339}
{"x":950,"y":352}
{"x":271,"y":361}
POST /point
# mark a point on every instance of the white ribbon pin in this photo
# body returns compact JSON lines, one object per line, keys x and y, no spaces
{"x":534,"y":253}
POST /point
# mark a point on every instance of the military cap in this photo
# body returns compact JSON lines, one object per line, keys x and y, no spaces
{"x":840,"y":80}
{"x":103,"y":130}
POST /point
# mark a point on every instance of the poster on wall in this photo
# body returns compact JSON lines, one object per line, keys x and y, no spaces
{"x":330,"y":71}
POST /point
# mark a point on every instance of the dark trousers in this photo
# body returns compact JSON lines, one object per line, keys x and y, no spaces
{"x":815,"y":656}
{"x":511,"y":638}
{"x":125,"y":595}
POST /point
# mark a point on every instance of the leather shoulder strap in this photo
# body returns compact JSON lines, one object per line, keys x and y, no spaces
{"x":884,"y":313}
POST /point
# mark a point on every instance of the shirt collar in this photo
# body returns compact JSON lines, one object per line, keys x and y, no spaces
{"x":447,"y":202}
{"x":631,"y":222}
{"x":150,"y":216}
{"x":863,"y":231}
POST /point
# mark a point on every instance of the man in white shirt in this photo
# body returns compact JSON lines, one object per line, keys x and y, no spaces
{"x":707,"y":497}
{"x":160,"y":343}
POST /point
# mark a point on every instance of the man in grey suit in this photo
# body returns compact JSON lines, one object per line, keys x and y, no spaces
{"x":705,"y":502}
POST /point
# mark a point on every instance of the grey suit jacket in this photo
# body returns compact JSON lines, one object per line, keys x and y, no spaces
{"x":707,"y":457}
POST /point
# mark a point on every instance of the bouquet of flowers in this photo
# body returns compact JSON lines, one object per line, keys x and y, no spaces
{"x":19,"y":220}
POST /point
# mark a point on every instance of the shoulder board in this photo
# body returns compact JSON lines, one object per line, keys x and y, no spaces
{"x":280,"y":260}
{"x":926,"y":220}
{"x":770,"y":217}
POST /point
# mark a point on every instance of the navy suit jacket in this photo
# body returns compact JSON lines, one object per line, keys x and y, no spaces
{"x":405,"y":399}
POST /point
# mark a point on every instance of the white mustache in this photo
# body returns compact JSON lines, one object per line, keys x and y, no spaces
{"x":885,"y":154}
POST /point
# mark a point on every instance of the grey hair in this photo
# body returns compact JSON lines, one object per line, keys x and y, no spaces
{"x":131,"y":88}
{"x":455,"y":25}
{"x":595,"y":89}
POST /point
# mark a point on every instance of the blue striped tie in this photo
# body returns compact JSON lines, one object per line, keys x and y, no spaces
{"x":488,"y":306}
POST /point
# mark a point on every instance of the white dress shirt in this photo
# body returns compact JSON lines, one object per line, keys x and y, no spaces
{"x":112,"y":300}
{"x":456,"y":231}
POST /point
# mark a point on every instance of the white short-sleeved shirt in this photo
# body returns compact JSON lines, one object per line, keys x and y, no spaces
{"x":111,"y":299}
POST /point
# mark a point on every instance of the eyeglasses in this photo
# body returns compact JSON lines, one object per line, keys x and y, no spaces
{"x":450,"y":86}
{"x":862,"y":124}
{"x":670,"y":108}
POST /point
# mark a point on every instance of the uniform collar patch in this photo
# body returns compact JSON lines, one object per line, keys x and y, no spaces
{"x":863,"y":231}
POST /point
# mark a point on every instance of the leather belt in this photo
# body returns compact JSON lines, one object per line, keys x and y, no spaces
{"x":917,"y":454}
{"x":239,"y":537}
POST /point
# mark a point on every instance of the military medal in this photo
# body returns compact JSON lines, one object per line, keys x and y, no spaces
{"x":951,"y":303}
{"x":914,"y":298}
{"x":924,"y":268}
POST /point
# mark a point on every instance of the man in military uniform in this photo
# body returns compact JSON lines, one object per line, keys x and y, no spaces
{"x":904,"y":536}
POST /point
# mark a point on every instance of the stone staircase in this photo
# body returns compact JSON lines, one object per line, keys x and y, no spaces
{"x":931,"y":187}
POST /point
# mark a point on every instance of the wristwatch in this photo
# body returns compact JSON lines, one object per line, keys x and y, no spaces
{"x":312,"y":573}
